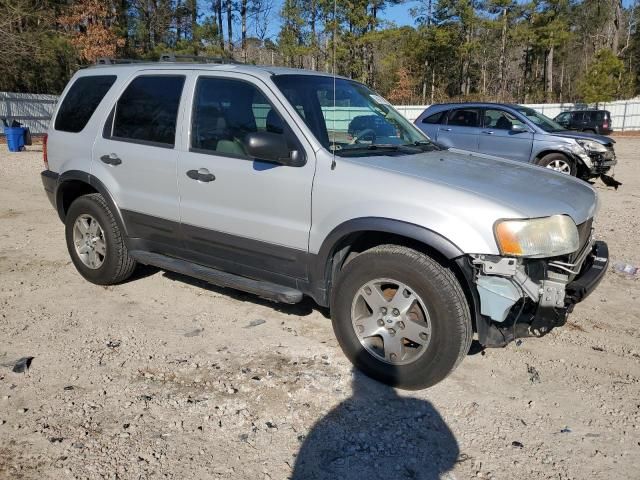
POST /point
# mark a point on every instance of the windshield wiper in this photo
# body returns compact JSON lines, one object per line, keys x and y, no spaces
{"x":425,"y":143}
{"x":378,"y":147}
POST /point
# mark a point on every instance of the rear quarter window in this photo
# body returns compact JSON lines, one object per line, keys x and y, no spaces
{"x":81,"y":101}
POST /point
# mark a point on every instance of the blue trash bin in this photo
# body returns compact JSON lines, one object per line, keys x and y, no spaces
{"x":15,"y":138}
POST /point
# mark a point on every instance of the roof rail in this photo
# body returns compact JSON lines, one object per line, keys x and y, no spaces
{"x":172,"y":58}
{"x":116,"y":61}
{"x":168,"y":58}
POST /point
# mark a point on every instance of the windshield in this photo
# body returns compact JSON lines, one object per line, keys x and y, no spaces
{"x":358,"y":123}
{"x":540,"y":120}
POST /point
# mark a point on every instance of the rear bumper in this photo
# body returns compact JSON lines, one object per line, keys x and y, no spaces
{"x":591,"y":274}
{"x":50,"y":184}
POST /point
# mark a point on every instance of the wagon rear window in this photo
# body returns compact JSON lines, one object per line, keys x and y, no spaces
{"x":81,"y":101}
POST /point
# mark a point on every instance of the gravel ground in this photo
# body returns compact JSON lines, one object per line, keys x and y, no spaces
{"x":166,"y":377}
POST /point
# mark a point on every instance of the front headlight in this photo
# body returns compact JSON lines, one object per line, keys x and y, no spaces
{"x":537,"y":237}
{"x":591,"y":146}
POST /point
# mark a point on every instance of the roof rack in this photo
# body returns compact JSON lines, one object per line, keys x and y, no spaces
{"x":168,"y":58}
{"x":172,"y":58}
{"x":116,"y":61}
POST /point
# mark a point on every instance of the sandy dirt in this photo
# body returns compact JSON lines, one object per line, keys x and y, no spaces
{"x":166,"y":377}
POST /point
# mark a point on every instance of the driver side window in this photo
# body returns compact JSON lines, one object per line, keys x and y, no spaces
{"x":500,"y":119}
{"x":225,"y":111}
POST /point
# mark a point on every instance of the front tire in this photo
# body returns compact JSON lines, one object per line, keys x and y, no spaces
{"x":559,"y":163}
{"x":401,"y":317}
{"x":95,"y":242}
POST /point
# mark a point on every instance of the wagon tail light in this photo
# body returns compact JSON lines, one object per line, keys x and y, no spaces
{"x":45,"y":158}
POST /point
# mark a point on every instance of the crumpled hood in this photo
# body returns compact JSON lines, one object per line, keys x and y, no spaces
{"x":585,"y":136}
{"x":530,"y":190}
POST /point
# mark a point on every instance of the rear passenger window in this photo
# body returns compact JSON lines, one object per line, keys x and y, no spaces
{"x":81,"y":101}
{"x":224,"y":111}
{"x":464,"y":117}
{"x":435,"y":118}
{"x":147,"y":111}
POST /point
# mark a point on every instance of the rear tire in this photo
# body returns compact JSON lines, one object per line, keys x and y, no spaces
{"x":95,"y":242}
{"x":430,"y":340}
{"x":559,"y":163}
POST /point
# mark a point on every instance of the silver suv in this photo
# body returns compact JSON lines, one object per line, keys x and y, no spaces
{"x":289,"y":183}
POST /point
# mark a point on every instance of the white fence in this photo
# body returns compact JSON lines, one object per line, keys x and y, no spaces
{"x":34,"y":111}
{"x":625,"y":114}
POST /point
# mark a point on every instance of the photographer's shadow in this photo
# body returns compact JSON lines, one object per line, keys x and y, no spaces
{"x":376,"y":434}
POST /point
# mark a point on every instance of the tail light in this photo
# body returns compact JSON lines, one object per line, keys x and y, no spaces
{"x":605,"y":124}
{"x":45,"y":158}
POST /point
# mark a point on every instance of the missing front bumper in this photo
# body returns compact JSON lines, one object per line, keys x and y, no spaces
{"x":528,"y":319}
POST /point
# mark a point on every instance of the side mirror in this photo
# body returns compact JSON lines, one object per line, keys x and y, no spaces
{"x":519,"y":128}
{"x":272,"y":147}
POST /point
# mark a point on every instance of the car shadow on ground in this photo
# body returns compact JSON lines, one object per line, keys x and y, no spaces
{"x":377,"y":434}
{"x":306,"y":307}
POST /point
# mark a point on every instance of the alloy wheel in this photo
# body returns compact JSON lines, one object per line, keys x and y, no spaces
{"x":89,"y":241}
{"x":560,"y":166}
{"x":391,"y":321}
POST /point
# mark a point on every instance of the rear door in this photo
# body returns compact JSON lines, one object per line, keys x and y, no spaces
{"x":247,"y":216}
{"x":135,"y":155}
{"x":499,"y":138}
{"x":461,"y":130}
{"x":578,"y":121}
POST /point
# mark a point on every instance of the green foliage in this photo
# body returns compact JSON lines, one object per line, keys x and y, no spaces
{"x":500,"y":50}
{"x":607,"y":79}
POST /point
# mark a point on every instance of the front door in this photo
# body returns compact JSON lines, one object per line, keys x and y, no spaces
{"x":135,"y":155}
{"x":564,"y":119}
{"x":239,"y":213}
{"x":504,"y":135}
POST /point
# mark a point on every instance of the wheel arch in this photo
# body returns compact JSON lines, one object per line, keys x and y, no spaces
{"x":580,"y":165}
{"x":358,"y":235}
{"x":75,"y":183}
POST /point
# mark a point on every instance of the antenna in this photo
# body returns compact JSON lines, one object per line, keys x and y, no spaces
{"x":333,"y":71}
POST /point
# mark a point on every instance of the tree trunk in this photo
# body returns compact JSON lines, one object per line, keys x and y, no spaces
{"x":194,"y":18}
{"x":433,"y":85}
{"x":502,"y":61}
{"x":616,"y":25}
{"x":548,"y":75}
{"x":230,"y":25}
{"x":314,"y":35}
{"x":218,"y":9}
{"x":424,"y":81}
{"x":243,"y":17}
{"x":179,"y":19}
{"x":560,"y":98}
{"x":123,"y":23}
{"x":465,"y":86}
{"x":526,"y":74}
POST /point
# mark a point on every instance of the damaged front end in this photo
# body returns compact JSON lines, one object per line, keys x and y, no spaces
{"x":520,"y":297}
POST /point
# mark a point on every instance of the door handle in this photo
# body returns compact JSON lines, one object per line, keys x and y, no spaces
{"x":111,"y":159}
{"x":201,"y":175}
{"x":444,"y":129}
{"x":489,"y":132}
